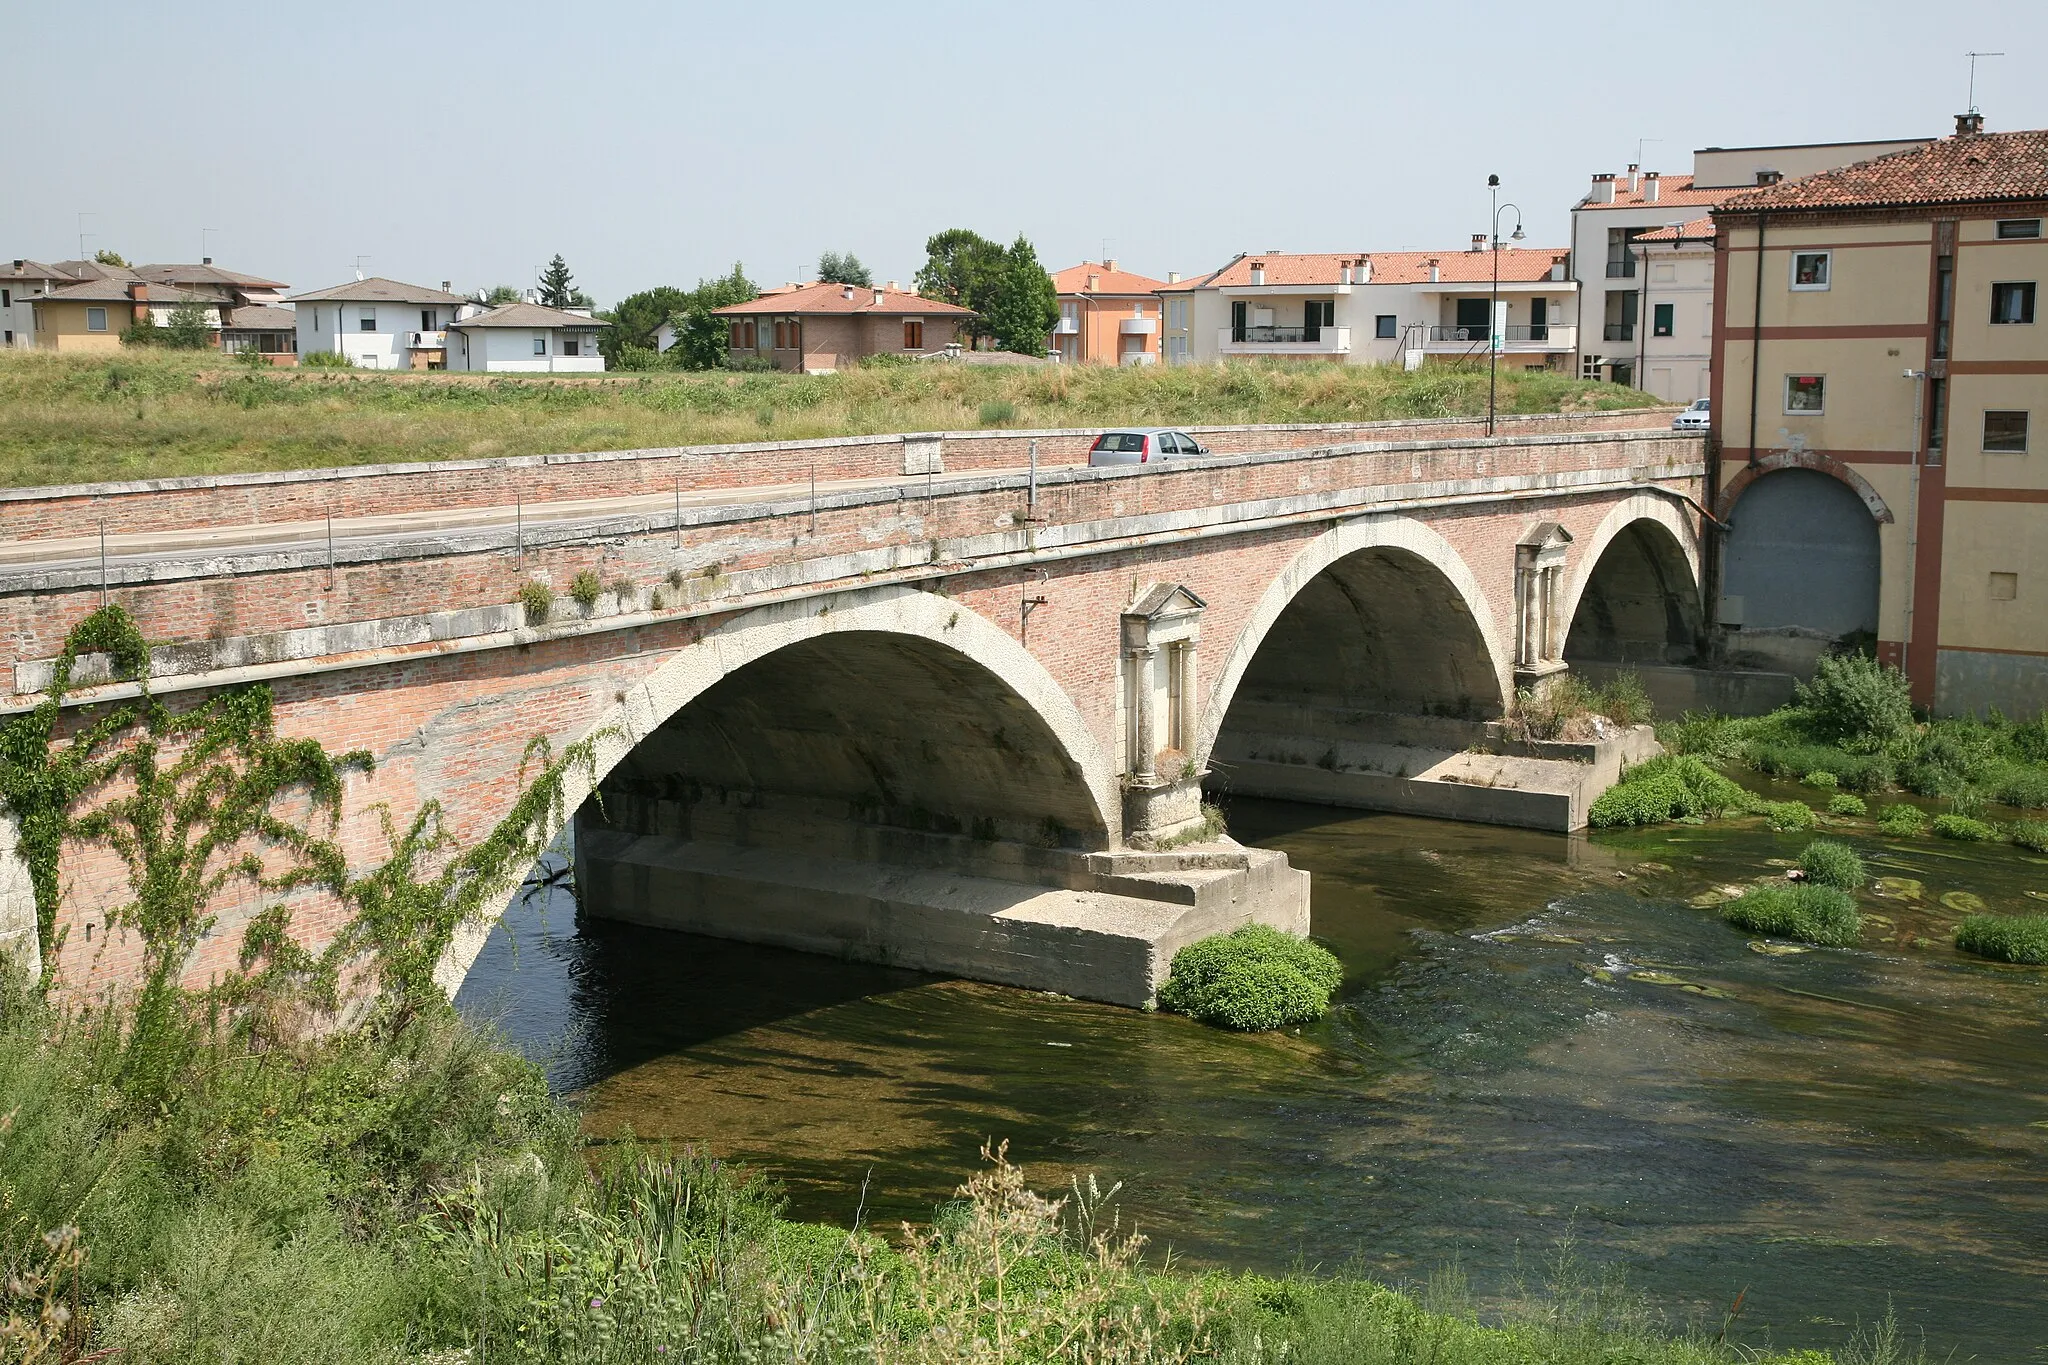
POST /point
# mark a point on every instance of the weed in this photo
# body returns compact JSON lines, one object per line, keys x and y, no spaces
{"x":1902,"y":821}
{"x":1953,"y":826}
{"x":997,"y":412}
{"x":1786,"y":816}
{"x":1673,"y":787}
{"x":1821,"y":777}
{"x":2008,"y":938}
{"x":538,"y":600}
{"x":1846,"y":803}
{"x":623,"y":592}
{"x":1828,"y":862}
{"x":1807,"y":912}
{"x":585,"y":588}
{"x":2031,"y":834}
{"x":1252,"y":980}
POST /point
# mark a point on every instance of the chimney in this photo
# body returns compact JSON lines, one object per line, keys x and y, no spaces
{"x":1650,"y":187}
{"x":1479,"y":241}
{"x":206,"y":260}
{"x":1362,"y":272}
{"x":1172,"y":276}
{"x":19,"y":263}
{"x":1110,"y":265}
{"x":1094,"y":282}
{"x":138,"y":291}
{"x":1769,"y":177}
{"x":881,"y":296}
{"x":1436,"y":272}
{"x":1258,"y":272}
{"x":1557,"y":265}
{"x":1344,"y":273}
{"x":1970,"y":124}
{"x":846,"y":292}
{"x":447,"y":286}
{"x":1603,"y":188}
{"x":895,"y":288}
{"x":1633,"y":179}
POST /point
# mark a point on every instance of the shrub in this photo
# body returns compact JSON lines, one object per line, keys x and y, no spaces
{"x":998,"y":412}
{"x":1857,"y":702}
{"x":2023,"y":787}
{"x":1953,"y":826}
{"x":538,"y":599}
{"x":2008,"y":938}
{"x":1809,"y":913}
{"x":1624,"y":700}
{"x":1786,"y":815}
{"x":325,"y":360}
{"x":1820,"y":777}
{"x":1667,"y":788}
{"x":1955,"y":754}
{"x":1703,"y":734}
{"x":586,"y":587}
{"x":1902,"y":820}
{"x":1846,"y":804}
{"x":1857,"y":772}
{"x":1252,"y":980}
{"x":623,"y":591}
{"x":2030,"y":834}
{"x":1828,"y":862}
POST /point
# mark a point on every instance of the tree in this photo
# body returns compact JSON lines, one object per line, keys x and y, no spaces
{"x":557,"y":285}
{"x":113,"y":258}
{"x":962,"y":267}
{"x":189,"y":328}
{"x":497,"y":296}
{"x":834,"y":268}
{"x":1025,"y":306}
{"x":701,"y":337}
{"x":636,"y":320}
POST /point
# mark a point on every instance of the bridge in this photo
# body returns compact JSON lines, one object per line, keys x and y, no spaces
{"x":944,"y":700}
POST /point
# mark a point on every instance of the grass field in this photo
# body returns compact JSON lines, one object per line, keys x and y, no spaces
{"x":79,"y":419}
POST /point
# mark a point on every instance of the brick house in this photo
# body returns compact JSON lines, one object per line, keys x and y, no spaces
{"x":1107,"y":316}
{"x":818,"y":328}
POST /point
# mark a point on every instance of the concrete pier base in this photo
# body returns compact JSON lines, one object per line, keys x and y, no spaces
{"x":1420,"y":765}
{"x":1100,"y":926}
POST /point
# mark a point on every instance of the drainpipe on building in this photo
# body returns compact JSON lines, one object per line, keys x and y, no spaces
{"x":1919,"y":378}
{"x":1756,"y":335}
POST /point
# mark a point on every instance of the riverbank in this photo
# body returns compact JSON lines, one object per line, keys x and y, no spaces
{"x":150,"y":414}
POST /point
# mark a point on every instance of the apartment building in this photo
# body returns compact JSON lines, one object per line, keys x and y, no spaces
{"x":1107,"y":316}
{"x":1376,"y":308}
{"x":1675,"y":338}
{"x":1614,"y":312}
{"x":1880,"y":387}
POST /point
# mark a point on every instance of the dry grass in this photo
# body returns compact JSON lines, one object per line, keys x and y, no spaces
{"x":81,"y":419}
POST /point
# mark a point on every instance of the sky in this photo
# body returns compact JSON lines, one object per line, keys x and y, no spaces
{"x":653,"y":143}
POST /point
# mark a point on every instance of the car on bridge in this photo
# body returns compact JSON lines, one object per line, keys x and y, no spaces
{"x":1143,"y":445}
{"x":1698,"y":417}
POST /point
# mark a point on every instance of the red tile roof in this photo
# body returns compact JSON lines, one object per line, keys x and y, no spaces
{"x":831,"y":298}
{"x":1517,"y":264}
{"x":1673,"y":189}
{"x":1972,"y":168}
{"x":1074,"y":280}
{"x":1693,"y":230}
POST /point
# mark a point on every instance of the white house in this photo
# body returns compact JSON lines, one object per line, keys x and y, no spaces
{"x":526,"y":338}
{"x":20,"y":282}
{"x":1376,"y":308}
{"x":378,"y":324}
{"x":1675,"y":338}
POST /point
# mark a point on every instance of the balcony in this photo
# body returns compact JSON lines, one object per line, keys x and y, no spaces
{"x":1284,"y":340}
{"x":428,"y":341}
{"x":1520,"y":338}
{"x":1621,"y":331}
{"x":1137,"y":326}
{"x":1622,"y":270}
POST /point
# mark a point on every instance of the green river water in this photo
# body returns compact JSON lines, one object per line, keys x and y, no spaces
{"x":1539,"y":1038}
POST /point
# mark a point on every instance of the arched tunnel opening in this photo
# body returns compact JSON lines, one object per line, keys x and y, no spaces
{"x":1801,"y":571}
{"x":1640,"y":604}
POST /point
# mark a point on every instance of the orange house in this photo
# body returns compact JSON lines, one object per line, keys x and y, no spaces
{"x":1107,"y":316}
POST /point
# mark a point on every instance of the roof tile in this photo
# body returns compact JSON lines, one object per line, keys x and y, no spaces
{"x":831,"y":298}
{"x":1965,"y":169}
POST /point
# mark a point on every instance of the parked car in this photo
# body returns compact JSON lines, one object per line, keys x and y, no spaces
{"x":1698,"y":417}
{"x":1143,"y":445}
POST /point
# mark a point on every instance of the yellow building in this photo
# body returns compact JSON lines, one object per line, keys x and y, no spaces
{"x":91,"y":316}
{"x":1880,"y":361}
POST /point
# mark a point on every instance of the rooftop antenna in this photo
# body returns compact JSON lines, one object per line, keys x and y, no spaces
{"x":84,"y":214}
{"x":206,"y":252}
{"x":359,"y":265}
{"x":1973,"y":56}
{"x":1639,"y":147}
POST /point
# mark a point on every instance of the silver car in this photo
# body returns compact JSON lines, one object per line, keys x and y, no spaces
{"x":1698,"y":417}
{"x":1143,"y":445}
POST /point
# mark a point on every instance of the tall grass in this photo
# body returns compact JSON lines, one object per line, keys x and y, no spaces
{"x":151,"y":414}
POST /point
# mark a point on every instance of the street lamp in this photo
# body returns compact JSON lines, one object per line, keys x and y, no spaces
{"x":1494,"y":338}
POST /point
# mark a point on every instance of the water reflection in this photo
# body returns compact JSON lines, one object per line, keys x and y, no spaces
{"x":1536,"y":1034}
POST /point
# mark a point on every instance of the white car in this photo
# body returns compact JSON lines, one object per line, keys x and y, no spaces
{"x":1698,"y":417}
{"x":1143,"y":445}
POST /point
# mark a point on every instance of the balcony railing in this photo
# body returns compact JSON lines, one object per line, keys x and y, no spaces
{"x":1621,"y":331}
{"x":1622,"y":270}
{"x":1067,"y":326}
{"x":1304,"y":340}
{"x":1514,"y":331}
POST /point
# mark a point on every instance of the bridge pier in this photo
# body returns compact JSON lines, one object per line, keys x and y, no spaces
{"x":1100,"y":926}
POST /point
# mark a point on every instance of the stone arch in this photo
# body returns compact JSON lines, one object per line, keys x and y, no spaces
{"x":1814,"y":460}
{"x":1402,"y":540}
{"x":1647,"y":591}
{"x":1803,"y":556}
{"x":932,"y":627}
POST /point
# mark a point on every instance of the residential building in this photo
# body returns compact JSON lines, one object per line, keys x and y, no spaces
{"x":378,"y":324}
{"x":1675,"y":339}
{"x":20,"y":282}
{"x":270,"y":331}
{"x":818,"y":328}
{"x":1376,"y":308}
{"x":229,"y":286}
{"x":92,"y":314}
{"x":1620,"y":209}
{"x":1107,"y":316}
{"x":1880,"y":391}
{"x":85,"y":305}
{"x":525,"y":338}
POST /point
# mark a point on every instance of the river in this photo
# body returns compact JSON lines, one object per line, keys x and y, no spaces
{"x":1539,"y":1039}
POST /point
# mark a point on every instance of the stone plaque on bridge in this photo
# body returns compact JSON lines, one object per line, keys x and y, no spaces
{"x":923,"y":455}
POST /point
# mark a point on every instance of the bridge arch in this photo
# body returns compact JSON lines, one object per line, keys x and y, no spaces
{"x":1372,"y":577}
{"x":1635,"y":596}
{"x":814,"y":694}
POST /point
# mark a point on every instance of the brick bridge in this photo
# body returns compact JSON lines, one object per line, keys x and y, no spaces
{"x":914,"y":698}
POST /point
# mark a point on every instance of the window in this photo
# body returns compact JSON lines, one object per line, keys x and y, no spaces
{"x":366,"y":320}
{"x":1810,"y":269}
{"x":1385,"y":326}
{"x":540,"y":345}
{"x":1806,"y":393}
{"x":2012,"y":303}
{"x":316,"y":319}
{"x":95,"y":319}
{"x":2005,"y":433}
{"x":427,"y":320}
{"x":1589,"y":367}
{"x":1177,"y":314}
{"x":913,"y":334}
{"x":2005,"y":587}
{"x":2011,"y":228}
{"x":570,"y":346}
{"x":1937,"y":419}
{"x":1944,"y":302}
{"x":6,"y":298}
{"x":1662,"y":320}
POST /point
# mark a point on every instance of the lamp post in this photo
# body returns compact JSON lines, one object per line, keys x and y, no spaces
{"x":1495,"y":339}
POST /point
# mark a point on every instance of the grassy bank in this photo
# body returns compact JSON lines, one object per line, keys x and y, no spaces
{"x":148,"y":414}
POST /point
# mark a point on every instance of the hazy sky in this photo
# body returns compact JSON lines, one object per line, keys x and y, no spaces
{"x":657,"y":143}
